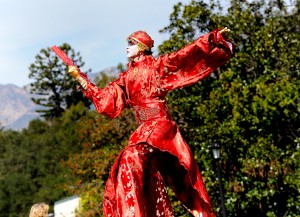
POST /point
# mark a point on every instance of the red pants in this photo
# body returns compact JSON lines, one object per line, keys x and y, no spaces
{"x":136,"y":187}
{"x":140,"y":188}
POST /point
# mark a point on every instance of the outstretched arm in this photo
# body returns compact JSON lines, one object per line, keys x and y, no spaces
{"x":109,"y":101}
{"x":195,"y":61}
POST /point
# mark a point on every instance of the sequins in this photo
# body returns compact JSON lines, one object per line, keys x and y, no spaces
{"x":144,"y":114}
{"x":150,"y":111}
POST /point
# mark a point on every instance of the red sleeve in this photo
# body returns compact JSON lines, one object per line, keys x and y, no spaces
{"x":109,"y":101}
{"x":193,"y":62}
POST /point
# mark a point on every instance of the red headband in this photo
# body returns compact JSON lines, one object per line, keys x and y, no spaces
{"x":143,"y":38}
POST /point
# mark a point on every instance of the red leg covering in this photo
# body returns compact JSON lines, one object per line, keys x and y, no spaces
{"x":139,"y":187}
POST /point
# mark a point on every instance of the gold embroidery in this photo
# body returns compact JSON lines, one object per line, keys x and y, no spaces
{"x":142,"y":47}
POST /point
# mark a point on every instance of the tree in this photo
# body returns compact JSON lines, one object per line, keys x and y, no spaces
{"x":102,"y":139}
{"x":30,"y":162}
{"x":53,"y":88}
{"x":251,"y":105}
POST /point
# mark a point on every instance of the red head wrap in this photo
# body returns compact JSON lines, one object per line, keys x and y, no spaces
{"x":143,"y":38}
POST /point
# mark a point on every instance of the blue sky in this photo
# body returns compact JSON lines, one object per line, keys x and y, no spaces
{"x":95,"y":28}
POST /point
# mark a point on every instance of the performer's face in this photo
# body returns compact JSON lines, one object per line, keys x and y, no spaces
{"x":132,"y":49}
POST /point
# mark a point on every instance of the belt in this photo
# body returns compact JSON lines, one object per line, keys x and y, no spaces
{"x":150,"y":111}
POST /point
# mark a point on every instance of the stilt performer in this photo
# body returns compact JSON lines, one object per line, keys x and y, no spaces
{"x":156,"y":154}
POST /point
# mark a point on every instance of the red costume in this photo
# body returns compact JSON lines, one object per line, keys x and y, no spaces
{"x":156,"y":153}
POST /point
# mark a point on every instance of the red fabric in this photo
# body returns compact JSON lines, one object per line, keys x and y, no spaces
{"x":62,"y":55}
{"x":142,"y":37}
{"x":138,"y":168}
{"x":143,"y":87}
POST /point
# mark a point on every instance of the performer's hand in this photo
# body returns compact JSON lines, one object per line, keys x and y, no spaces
{"x":82,"y":82}
{"x":224,"y":30}
{"x":74,"y":71}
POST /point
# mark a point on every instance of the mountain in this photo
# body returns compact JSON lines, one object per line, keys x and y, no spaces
{"x":16,"y":107}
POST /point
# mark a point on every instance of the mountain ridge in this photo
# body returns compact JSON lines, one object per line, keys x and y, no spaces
{"x":16,"y":107}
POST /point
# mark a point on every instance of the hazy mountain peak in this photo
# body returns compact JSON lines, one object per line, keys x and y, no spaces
{"x":16,"y":107}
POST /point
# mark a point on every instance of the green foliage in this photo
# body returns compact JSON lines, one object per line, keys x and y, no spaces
{"x":53,"y":88}
{"x":121,"y":67}
{"x":103,"y":80}
{"x":186,"y":22}
{"x":30,"y":162}
{"x":251,"y":105}
{"x":102,"y":140}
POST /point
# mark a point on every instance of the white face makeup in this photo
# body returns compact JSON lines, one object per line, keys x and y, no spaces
{"x":132,"y":51}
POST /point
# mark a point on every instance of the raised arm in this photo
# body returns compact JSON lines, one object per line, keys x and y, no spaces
{"x":195,"y":61}
{"x":109,"y":101}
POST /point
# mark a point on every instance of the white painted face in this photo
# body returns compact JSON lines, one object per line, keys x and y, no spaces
{"x":132,"y":51}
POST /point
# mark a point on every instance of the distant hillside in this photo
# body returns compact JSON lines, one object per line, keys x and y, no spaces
{"x":16,"y":107}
